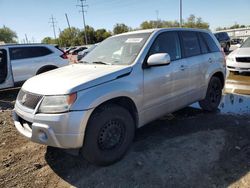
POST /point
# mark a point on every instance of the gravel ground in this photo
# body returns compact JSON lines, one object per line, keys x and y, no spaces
{"x":189,"y":148}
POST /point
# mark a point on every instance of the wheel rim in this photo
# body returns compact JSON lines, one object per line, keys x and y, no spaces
{"x":111,"y":135}
{"x":215,"y":93}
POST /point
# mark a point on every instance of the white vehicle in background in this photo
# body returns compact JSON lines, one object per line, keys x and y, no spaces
{"x":19,"y":62}
{"x":239,"y":59}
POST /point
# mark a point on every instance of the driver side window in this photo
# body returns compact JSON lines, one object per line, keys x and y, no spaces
{"x":167,"y":42}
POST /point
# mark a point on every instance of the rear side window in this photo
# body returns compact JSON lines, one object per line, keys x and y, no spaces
{"x":203,"y":45}
{"x":28,"y":52}
{"x":191,"y":45}
{"x":167,"y":42}
{"x":210,"y":42}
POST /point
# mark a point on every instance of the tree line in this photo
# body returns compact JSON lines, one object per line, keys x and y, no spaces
{"x":74,"y":36}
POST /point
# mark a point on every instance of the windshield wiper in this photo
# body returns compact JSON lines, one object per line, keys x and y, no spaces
{"x":101,"y":62}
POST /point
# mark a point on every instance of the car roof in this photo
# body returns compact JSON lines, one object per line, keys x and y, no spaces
{"x":20,"y":45}
{"x":161,"y":29}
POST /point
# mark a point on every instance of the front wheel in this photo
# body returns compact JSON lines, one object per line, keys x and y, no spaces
{"x":213,"y":95}
{"x":109,"y":133}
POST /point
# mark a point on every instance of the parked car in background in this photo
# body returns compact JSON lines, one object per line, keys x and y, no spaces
{"x":67,"y":51}
{"x":239,"y":59}
{"x":236,"y":41}
{"x":77,"y":50}
{"x":19,"y":62}
{"x":224,"y":40}
{"x":83,"y":53}
{"x":127,"y":81}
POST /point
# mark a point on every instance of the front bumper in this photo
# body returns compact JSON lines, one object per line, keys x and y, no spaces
{"x":65,"y":130}
{"x":238,"y":66}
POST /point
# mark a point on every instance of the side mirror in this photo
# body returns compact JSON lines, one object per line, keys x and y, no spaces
{"x":158,"y":59}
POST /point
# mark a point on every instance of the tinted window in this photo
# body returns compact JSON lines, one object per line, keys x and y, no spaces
{"x":28,"y":52}
{"x":210,"y":42}
{"x":190,"y":43}
{"x":203,"y":45}
{"x":167,"y":43}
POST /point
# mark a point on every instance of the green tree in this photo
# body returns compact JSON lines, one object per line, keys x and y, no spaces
{"x":194,"y":22}
{"x":70,"y":37}
{"x":7,"y":35}
{"x":90,"y":35}
{"x":101,"y":34}
{"x":120,"y":28}
{"x":48,"y":40}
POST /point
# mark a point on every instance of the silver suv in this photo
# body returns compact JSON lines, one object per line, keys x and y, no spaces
{"x":127,"y":81}
{"x":18,"y":62}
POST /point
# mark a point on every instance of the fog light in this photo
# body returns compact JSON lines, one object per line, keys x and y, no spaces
{"x":42,"y":136}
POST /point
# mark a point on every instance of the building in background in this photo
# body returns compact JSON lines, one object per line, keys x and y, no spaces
{"x":240,"y":33}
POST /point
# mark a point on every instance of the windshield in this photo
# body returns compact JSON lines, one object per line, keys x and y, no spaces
{"x":117,"y":50}
{"x":246,"y":44}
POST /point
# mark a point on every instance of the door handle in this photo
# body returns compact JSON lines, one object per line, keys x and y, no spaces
{"x":183,"y":67}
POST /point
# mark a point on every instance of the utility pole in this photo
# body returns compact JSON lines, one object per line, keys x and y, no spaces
{"x":82,"y":6}
{"x":68,"y":21}
{"x":53,"y":22}
{"x":180,"y":13}
{"x":157,"y":18}
{"x":26,"y":38}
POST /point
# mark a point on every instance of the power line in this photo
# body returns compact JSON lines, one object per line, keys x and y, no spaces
{"x":83,"y":5}
{"x":53,"y":22}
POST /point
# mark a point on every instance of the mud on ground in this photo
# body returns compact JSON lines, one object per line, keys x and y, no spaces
{"x":187,"y":149}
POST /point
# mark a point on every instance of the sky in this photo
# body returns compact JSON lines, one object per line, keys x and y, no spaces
{"x":32,"y":17}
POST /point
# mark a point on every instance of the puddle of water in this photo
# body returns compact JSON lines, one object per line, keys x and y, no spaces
{"x":238,"y":84}
{"x":232,"y":104}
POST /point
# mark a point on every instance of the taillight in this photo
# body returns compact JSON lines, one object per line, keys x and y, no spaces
{"x":64,"y":56}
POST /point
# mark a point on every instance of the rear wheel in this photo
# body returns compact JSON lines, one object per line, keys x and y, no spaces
{"x":109,"y":133}
{"x":213,"y":95}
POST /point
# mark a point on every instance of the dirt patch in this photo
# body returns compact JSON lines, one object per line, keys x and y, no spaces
{"x":187,"y":149}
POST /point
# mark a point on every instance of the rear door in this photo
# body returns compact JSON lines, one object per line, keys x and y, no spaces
{"x":195,"y":62}
{"x":6,"y":78}
{"x":27,"y":60}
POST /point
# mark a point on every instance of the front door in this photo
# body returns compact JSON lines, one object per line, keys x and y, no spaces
{"x":165,"y":86}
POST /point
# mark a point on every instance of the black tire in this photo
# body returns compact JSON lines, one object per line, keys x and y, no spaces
{"x":227,"y":48}
{"x":213,"y":95}
{"x":109,"y":133}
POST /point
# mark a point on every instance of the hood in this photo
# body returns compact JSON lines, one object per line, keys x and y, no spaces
{"x":73,"y":78}
{"x":241,"y":52}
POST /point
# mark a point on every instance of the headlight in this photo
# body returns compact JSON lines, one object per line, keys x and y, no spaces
{"x":230,"y":59}
{"x":57,"y":104}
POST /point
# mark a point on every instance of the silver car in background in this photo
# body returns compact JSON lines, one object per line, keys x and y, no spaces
{"x":127,"y":81}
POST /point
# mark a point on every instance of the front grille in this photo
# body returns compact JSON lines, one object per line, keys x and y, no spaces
{"x":243,"y":59}
{"x":28,"y":100}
